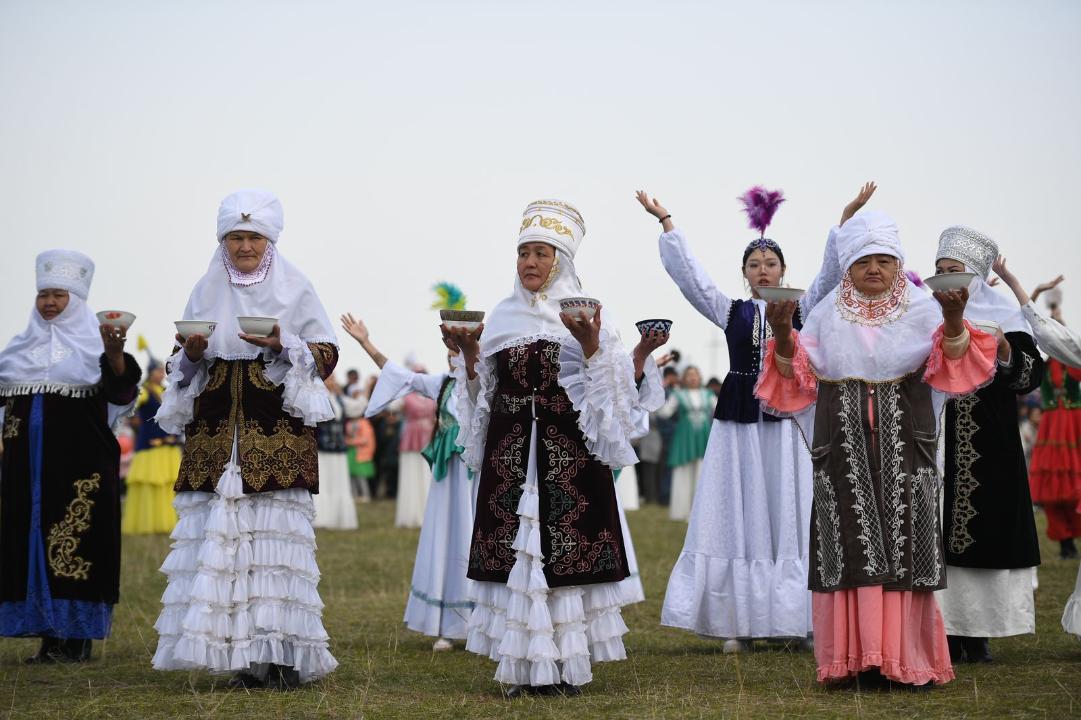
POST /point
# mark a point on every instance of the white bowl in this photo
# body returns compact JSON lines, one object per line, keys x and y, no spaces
{"x":949,"y":281}
{"x":256,"y":326}
{"x":988,"y":326}
{"x":195,"y":327}
{"x":578,"y":306}
{"x":469,"y":325}
{"x":779,"y":294}
{"x":116,"y":318}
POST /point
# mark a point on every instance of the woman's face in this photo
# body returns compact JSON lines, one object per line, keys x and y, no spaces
{"x":763,"y":269}
{"x":51,"y":302}
{"x":692,"y":379}
{"x":535,"y":261}
{"x":246,"y":249}
{"x":874,"y":274}
{"x":948,"y":265}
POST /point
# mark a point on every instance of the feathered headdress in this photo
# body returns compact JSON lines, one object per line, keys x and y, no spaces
{"x":914,"y":277}
{"x":760,"y":204}
{"x":448,"y":297}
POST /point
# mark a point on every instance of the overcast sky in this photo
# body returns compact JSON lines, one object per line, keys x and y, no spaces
{"x":406,"y":138}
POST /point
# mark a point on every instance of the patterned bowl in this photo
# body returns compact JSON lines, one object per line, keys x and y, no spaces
{"x":779,"y":294}
{"x":988,"y":326}
{"x":575,"y":306}
{"x":195,"y":327}
{"x":654,"y":325}
{"x":116,"y":318}
{"x":949,"y":281}
{"x":465,"y":319}
{"x":256,"y":326}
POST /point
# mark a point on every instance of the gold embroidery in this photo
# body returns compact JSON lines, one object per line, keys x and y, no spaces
{"x":552,"y":224}
{"x":325,"y":358}
{"x":282,"y":454}
{"x":63,"y":538}
{"x":11,"y":422}
{"x":205,"y":456}
{"x":218,"y":371}
{"x":258,"y":377}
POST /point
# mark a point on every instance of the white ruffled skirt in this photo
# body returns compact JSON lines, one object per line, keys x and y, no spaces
{"x":743,"y":569}
{"x":334,"y":505}
{"x":242,"y":581}
{"x":1071,"y":616}
{"x":439,"y":602}
{"x":414,"y":481}
{"x":539,"y":635}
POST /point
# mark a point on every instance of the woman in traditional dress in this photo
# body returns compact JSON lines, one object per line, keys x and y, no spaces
{"x":148,"y":507}
{"x":992,"y":549}
{"x":548,"y":406}
{"x":742,"y":574}
{"x":1063,"y":346}
{"x":414,"y":475}
{"x":242,"y":578}
{"x":360,"y":438}
{"x":334,"y":505}
{"x":868,"y":374}
{"x":691,"y":405}
{"x":439,"y":602}
{"x":65,"y":381}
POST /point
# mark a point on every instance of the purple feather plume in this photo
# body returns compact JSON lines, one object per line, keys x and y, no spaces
{"x":760,"y":204}
{"x":914,"y":277}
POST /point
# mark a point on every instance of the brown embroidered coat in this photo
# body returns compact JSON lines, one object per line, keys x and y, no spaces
{"x":875,"y":519}
{"x":277,"y":451}
{"x":581,"y":537}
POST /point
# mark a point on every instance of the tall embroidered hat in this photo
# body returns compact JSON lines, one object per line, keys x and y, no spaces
{"x":553,"y":222}
{"x":257,"y":211}
{"x":65,"y":270}
{"x":973,"y":248}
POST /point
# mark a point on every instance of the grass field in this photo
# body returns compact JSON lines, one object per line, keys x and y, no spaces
{"x":389,"y":672}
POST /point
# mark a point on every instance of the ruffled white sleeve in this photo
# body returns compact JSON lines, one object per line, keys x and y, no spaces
{"x":178,"y":401}
{"x":1054,"y":338}
{"x":473,"y":405}
{"x":603,"y":392}
{"x":305,"y":395}
{"x":650,"y":398}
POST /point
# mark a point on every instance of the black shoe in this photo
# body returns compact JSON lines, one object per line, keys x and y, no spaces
{"x":517,"y":691}
{"x":568,"y":690}
{"x":1067,"y":549}
{"x":283,"y":678}
{"x":977,"y":650}
{"x":957,"y":648}
{"x":49,"y":653}
{"x":245,"y":681}
{"x":76,"y":650}
{"x":872,"y":679}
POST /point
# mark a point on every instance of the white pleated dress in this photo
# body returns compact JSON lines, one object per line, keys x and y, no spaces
{"x":742,"y":573}
{"x":540,"y":635}
{"x":335,"y":508}
{"x":439,"y":603}
{"x":242,"y":576}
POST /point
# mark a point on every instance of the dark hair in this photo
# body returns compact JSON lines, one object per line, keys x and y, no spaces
{"x":438,"y":403}
{"x":669,"y":372}
{"x":763,"y":244}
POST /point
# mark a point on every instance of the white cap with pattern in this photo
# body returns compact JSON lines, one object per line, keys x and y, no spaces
{"x":974,"y":249}
{"x":65,"y":270}
{"x":553,"y":222}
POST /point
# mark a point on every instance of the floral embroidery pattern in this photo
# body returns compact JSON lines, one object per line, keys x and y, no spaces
{"x":258,"y":377}
{"x":859,"y":476}
{"x":965,"y":483}
{"x":1024,"y":375}
{"x":926,"y":558}
{"x":856,"y":307}
{"x":205,"y":455}
{"x":828,"y":524}
{"x":11,"y":422}
{"x":64,"y":538}
{"x":495,"y":551}
{"x":281,"y":454}
{"x":893,"y":479}
{"x":566,"y":504}
{"x":218,"y":372}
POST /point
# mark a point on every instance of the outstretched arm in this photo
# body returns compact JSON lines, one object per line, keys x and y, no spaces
{"x":359,"y":332}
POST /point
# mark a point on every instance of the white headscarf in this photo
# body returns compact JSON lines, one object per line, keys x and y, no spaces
{"x":276,"y":289}
{"x":62,"y":355}
{"x":850,"y":336}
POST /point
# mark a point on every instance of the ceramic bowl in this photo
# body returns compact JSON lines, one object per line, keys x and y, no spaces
{"x":575,"y":306}
{"x":949,"y":281}
{"x":988,"y":326}
{"x":116,"y":318}
{"x":464,"y":319}
{"x":195,"y":327}
{"x":654,"y":325}
{"x":779,"y":294}
{"x":256,"y":326}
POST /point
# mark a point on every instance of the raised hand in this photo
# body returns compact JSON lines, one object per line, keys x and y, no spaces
{"x":356,"y":328}
{"x":654,"y":208}
{"x":1049,"y":285}
{"x":467,"y":342}
{"x":585,"y":330}
{"x":857,"y":204}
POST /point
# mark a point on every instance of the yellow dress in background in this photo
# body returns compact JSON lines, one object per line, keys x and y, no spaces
{"x":148,"y":507}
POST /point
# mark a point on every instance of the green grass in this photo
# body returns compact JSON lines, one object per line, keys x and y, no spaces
{"x":389,"y":672}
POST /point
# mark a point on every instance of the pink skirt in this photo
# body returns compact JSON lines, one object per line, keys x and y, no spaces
{"x":900,"y":632}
